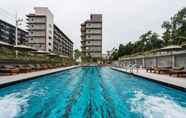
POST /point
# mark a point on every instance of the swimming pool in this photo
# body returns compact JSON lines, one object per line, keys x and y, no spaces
{"x":91,"y":92}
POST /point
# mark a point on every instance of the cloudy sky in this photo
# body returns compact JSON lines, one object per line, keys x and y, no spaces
{"x":123,"y":20}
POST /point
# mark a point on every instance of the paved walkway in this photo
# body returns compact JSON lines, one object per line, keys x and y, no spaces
{"x":20,"y":77}
{"x":166,"y":79}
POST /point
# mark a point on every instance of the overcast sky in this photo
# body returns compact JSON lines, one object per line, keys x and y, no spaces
{"x":123,"y":20}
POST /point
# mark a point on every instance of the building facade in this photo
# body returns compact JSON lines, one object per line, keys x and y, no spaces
{"x":40,"y":28}
{"x":91,"y":38}
{"x":62,"y":44}
{"x":7,"y":34}
{"x":44,"y":35}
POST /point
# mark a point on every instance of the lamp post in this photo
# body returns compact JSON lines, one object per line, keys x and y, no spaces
{"x":18,"y":22}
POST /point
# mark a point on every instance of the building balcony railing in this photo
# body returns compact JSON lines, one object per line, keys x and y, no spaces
{"x":36,"y":29}
{"x":91,"y":46}
{"x":40,"y":36}
{"x":87,"y":51}
{"x":94,"y":33}
{"x":36,"y":22}
{"x":86,"y":40}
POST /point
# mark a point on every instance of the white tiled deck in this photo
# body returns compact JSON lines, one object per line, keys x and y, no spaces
{"x":25,"y":76}
{"x":175,"y":81}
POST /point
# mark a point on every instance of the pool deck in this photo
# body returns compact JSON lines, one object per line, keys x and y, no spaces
{"x":175,"y":82}
{"x":8,"y":80}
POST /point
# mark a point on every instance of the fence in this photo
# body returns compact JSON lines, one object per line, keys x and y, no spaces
{"x":174,"y":59}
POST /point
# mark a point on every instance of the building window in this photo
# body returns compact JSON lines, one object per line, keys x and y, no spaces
{"x":50,"y":37}
{"x":50,"y":31}
{"x":49,"y":44}
{"x":50,"y":25}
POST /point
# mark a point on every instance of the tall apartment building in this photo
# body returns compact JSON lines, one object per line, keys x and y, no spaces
{"x":40,"y":28}
{"x":45,"y":35}
{"x":7,"y":34}
{"x":62,"y":44}
{"x":91,"y":38}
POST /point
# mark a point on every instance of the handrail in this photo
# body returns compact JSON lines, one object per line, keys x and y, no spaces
{"x":132,"y":67}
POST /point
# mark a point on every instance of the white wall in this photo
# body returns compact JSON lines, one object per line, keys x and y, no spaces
{"x":49,"y":25}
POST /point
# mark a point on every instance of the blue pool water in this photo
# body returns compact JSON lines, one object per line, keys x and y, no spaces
{"x":91,"y":92}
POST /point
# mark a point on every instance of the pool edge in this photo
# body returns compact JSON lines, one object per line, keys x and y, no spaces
{"x":12,"y":82}
{"x":153,"y":80}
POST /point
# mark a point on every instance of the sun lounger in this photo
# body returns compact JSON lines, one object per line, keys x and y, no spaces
{"x":23,"y":68}
{"x":44,"y":66}
{"x":177,"y":71}
{"x":160,"y":70}
{"x":38,"y":67}
{"x":32,"y":67}
{"x":150,"y":69}
{"x":50,"y":66}
{"x":8,"y":70}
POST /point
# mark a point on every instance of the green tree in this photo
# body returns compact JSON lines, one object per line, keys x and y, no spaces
{"x":175,"y":29}
{"x":77,"y":54}
{"x":148,"y":41}
{"x":175,"y":34}
{"x":167,"y":34}
{"x":115,"y":54}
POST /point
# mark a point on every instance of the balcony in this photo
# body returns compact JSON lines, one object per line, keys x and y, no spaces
{"x":83,"y":29}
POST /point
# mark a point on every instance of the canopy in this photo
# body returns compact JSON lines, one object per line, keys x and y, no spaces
{"x":24,"y":47}
{"x":63,"y":56}
{"x":53,"y":54}
{"x":5,"y":44}
{"x":41,"y":52}
{"x":170,"y":48}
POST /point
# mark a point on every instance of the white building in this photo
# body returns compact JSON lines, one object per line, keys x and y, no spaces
{"x":40,"y":27}
{"x":91,"y":37}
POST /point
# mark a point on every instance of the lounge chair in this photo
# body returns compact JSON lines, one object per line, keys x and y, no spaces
{"x":150,"y":69}
{"x":164,"y":70}
{"x":44,"y":66}
{"x":8,"y":70}
{"x":177,"y":71}
{"x":23,"y":68}
{"x":62,"y":65}
{"x":50,"y":66}
{"x":32,"y":67}
{"x":38,"y":67}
